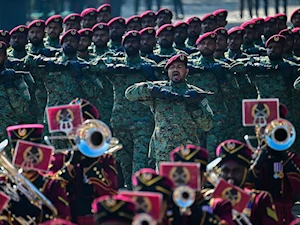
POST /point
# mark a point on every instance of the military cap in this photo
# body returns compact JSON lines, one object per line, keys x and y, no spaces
{"x":55,"y":19}
{"x":100,"y":26}
{"x":177,"y":58}
{"x":165,"y":11}
{"x":190,"y":153}
{"x":3,"y":46}
{"x":236,"y":30}
{"x":130,"y":34}
{"x":36,"y":23}
{"x":113,"y":208}
{"x":72,"y":17}
{"x":148,"y":13}
{"x":270,"y":19}
{"x":89,"y":111}
{"x":135,"y":19}
{"x":89,"y":12}
{"x":4,"y":34}
{"x":193,"y":19}
{"x":296,"y":31}
{"x":280,"y":16}
{"x":248,"y":24}
{"x":147,"y":179}
{"x":165,"y":27}
{"x":148,"y":30}
{"x":104,"y":8}
{"x":221,"y":31}
{"x":180,"y":24}
{"x":86,"y":32}
{"x":283,"y":111}
{"x":21,"y":29}
{"x":211,"y":35}
{"x":72,"y":32}
{"x":286,"y":32}
{"x":296,"y":11}
{"x":220,"y":13}
{"x":276,"y":38}
{"x":118,"y":19}
{"x":26,"y":132}
{"x":258,"y":21}
{"x":234,"y":150}
{"x":209,"y":16}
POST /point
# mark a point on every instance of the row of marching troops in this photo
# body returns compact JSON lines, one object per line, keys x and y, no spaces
{"x":158,"y":85}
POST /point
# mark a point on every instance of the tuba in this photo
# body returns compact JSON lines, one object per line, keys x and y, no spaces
{"x":93,"y":139}
{"x":22,"y":184}
{"x":184,"y":197}
{"x":143,"y":219}
{"x":280,"y":134}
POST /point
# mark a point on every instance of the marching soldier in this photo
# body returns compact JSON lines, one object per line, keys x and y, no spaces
{"x":208,"y":23}
{"x":72,"y":21}
{"x":100,"y":38}
{"x":221,"y":45}
{"x":148,"y":43}
{"x":116,"y":31}
{"x":180,"y":36}
{"x":5,"y":36}
{"x":148,"y":19}
{"x":104,"y":13}
{"x":296,"y":47}
{"x":259,"y":25}
{"x":289,"y":46}
{"x":134,"y":23}
{"x":89,"y":18}
{"x":53,"y":30}
{"x":270,"y":28}
{"x":193,"y":31}
{"x":234,"y":166}
{"x":281,"y":21}
{"x":295,"y":18}
{"x":18,"y":42}
{"x":221,"y":15}
{"x":189,"y":102}
{"x":163,"y":16}
{"x":85,"y":42}
{"x":235,"y":41}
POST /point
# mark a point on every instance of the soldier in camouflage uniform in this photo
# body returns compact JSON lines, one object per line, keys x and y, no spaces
{"x":289,"y":46}
{"x":15,"y":97}
{"x":180,"y":36}
{"x":221,"y":15}
{"x":295,"y":18}
{"x":134,"y":23}
{"x":5,"y":36}
{"x":72,"y":21}
{"x":104,"y":13}
{"x":116,"y":31}
{"x":209,"y":23}
{"x":221,"y":45}
{"x":193,"y":31}
{"x":163,"y":16}
{"x":53,"y":31}
{"x":89,"y":18}
{"x":179,"y":109}
{"x":18,"y":42}
{"x":235,"y":40}
{"x":259,"y":24}
{"x":148,"y":19}
{"x":85,"y":42}
{"x":270,"y":28}
{"x":148,"y":43}
{"x":296,"y":49}
{"x":281,"y":21}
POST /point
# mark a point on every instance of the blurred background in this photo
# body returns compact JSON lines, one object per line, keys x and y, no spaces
{"x":16,"y":12}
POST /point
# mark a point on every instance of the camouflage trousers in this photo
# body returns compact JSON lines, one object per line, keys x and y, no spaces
{"x":134,"y":155}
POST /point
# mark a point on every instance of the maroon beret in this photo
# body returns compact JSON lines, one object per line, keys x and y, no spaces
{"x":148,"y":13}
{"x":72,"y":17}
{"x":100,"y":26}
{"x":21,"y":28}
{"x":248,"y":24}
{"x":236,"y":30}
{"x":118,"y":19}
{"x":211,"y":35}
{"x":4,"y":34}
{"x":165,"y":27}
{"x":89,"y":12}
{"x":3,"y":46}
{"x":220,"y":13}
{"x":104,"y":8}
{"x":72,"y":32}
{"x":148,"y":180}
{"x":113,"y":208}
{"x":276,"y":38}
{"x":280,"y":16}
{"x":89,"y":111}
{"x":177,"y":58}
{"x":258,"y":21}
{"x":181,"y":24}
{"x":270,"y":19}
{"x":36,"y":23}
{"x":130,"y":34}
{"x":296,"y":11}
{"x":296,"y":31}
{"x":26,"y":132}
{"x":165,"y":11}
{"x":54,"y":19}
{"x":148,"y":30}
{"x":209,"y":16}
{"x":221,"y":31}
{"x":193,"y":19}
{"x":135,"y":19}
{"x":190,"y":153}
{"x":234,"y":150}
{"x":86,"y":32}
{"x":286,"y":32}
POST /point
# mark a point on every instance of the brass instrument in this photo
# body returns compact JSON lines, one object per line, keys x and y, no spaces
{"x":184,"y":197}
{"x":23,"y":185}
{"x":93,"y":139}
{"x":143,"y":219}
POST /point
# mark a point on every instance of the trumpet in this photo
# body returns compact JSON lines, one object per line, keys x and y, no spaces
{"x":93,"y":139}
{"x":22,"y":184}
{"x":184,"y":197}
{"x":143,"y":219}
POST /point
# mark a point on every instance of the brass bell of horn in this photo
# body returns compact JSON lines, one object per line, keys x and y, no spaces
{"x":184,"y":196}
{"x":93,"y":138}
{"x":280,"y":134}
{"x":143,"y":219}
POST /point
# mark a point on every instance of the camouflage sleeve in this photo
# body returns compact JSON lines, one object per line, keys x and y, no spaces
{"x":297,"y":84}
{"x":140,"y":92}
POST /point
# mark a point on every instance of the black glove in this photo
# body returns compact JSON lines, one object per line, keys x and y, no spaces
{"x":158,"y":92}
{"x":123,"y":69}
{"x":193,"y":96}
{"x":77,"y":66}
{"x":147,"y":70}
{"x":8,"y":77}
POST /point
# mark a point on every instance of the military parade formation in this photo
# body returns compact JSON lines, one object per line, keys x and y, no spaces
{"x":114,"y":121}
